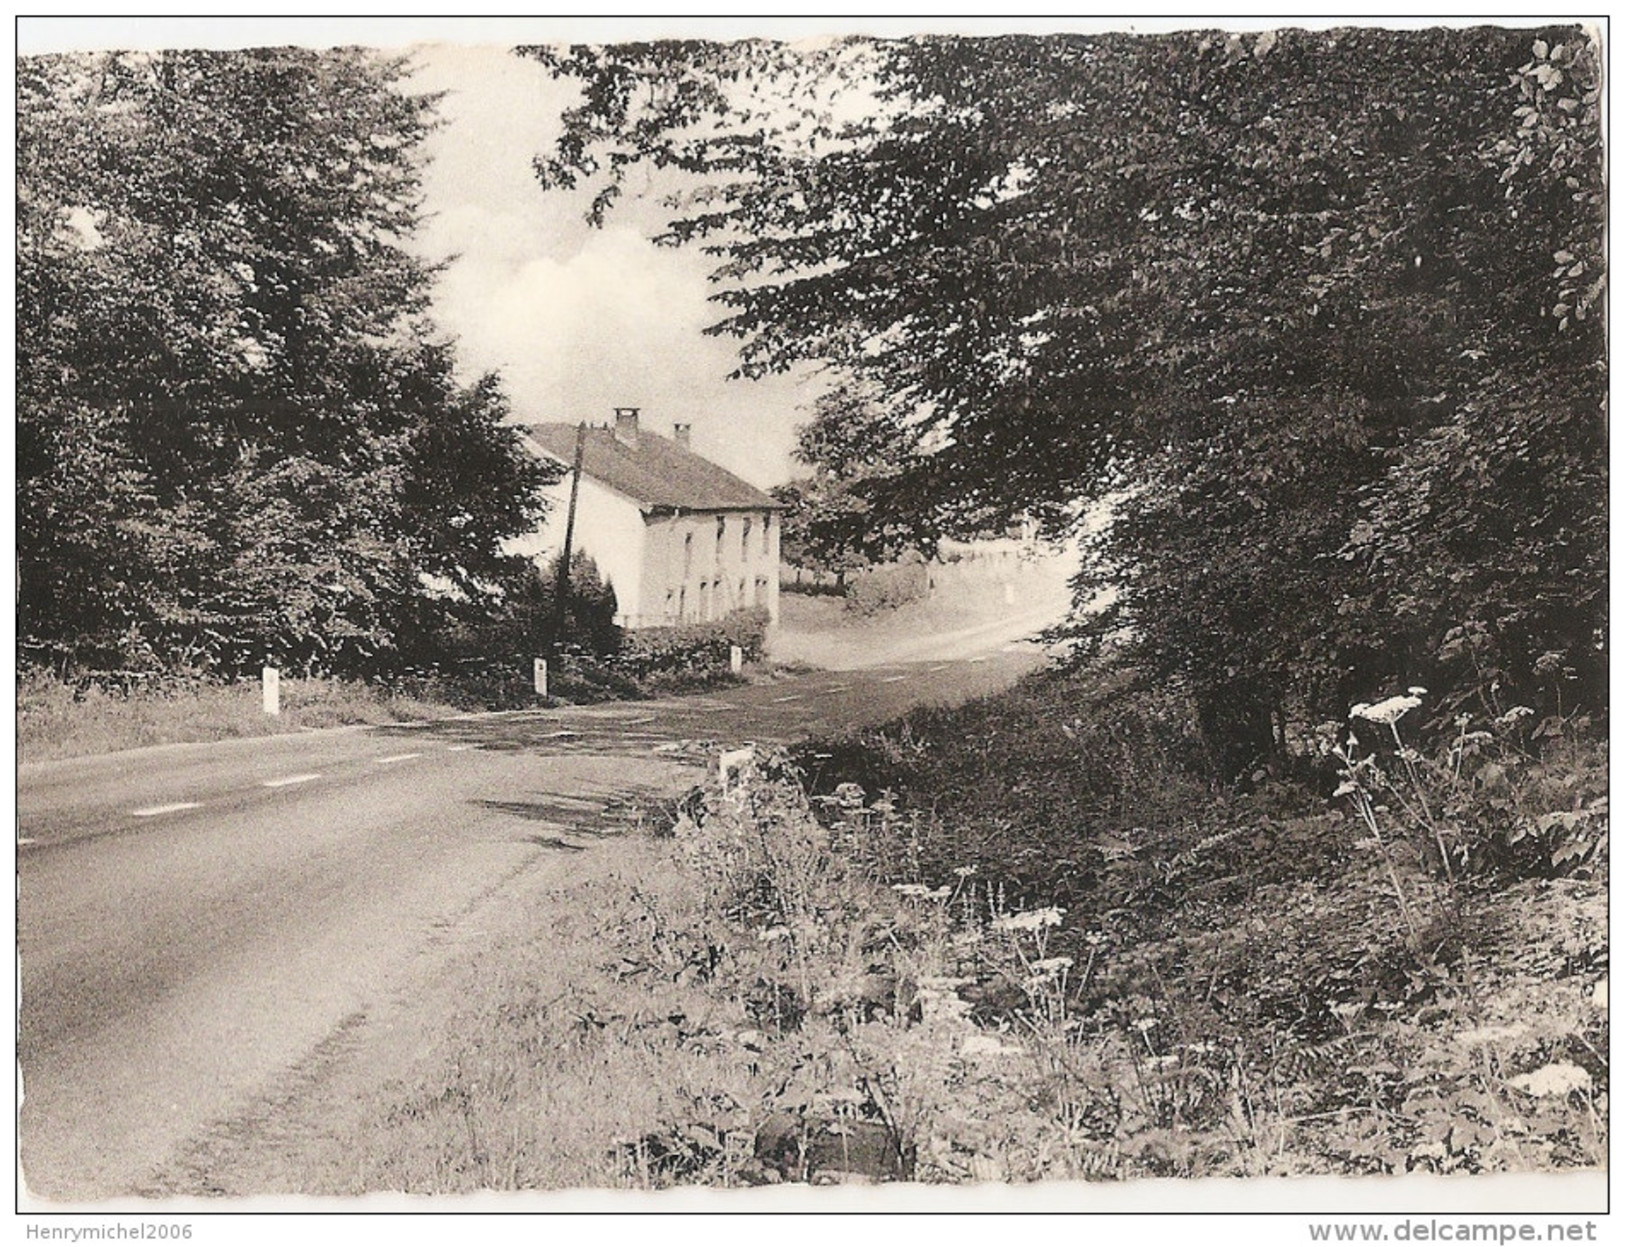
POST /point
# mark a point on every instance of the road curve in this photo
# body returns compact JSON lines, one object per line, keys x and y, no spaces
{"x":193,"y":920}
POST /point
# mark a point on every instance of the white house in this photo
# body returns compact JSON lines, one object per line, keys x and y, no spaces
{"x":680,"y":538}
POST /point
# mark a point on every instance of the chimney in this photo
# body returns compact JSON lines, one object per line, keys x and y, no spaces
{"x":626,"y":426}
{"x":680,"y":434}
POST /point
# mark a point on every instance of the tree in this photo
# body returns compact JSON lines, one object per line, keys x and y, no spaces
{"x":523,"y":622}
{"x":838,"y":519}
{"x":238,"y":435}
{"x":1264,"y":290}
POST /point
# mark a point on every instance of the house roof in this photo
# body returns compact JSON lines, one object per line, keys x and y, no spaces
{"x":656,"y":473}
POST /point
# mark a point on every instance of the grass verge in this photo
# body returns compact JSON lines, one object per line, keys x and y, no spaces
{"x":1136,"y":979}
{"x":58,"y":720}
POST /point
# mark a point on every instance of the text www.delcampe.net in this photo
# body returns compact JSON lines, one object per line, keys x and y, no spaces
{"x":1441,"y":1230}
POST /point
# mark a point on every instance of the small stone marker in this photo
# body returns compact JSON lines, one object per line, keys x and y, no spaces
{"x":736,"y":659}
{"x":539,"y":674}
{"x":271,"y":690}
{"x":731,"y":765}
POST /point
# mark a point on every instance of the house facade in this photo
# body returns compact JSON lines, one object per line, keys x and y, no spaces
{"x":680,"y":539}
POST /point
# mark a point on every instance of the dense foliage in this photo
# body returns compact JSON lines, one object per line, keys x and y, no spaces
{"x":693,"y":654}
{"x":1316,"y":309}
{"x":237,"y":435}
{"x":838,"y":518}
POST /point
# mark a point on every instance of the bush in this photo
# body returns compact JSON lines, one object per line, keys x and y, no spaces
{"x":693,"y":655}
{"x":1031,"y":775}
{"x":813,"y":588}
{"x":521,"y":623}
{"x":887,"y":588}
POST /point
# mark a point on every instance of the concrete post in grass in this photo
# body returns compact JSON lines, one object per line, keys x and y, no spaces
{"x":732,"y":765}
{"x":736,"y":659}
{"x":271,"y":690}
{"x":539,"y":674}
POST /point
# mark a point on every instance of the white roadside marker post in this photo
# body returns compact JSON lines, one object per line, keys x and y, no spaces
{"x":736,"y":659}
{"x":270,"y":690}
{"x":731,"y":767}
{"x":539,"y":674}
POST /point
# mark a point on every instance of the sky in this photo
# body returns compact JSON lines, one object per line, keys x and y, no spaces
{"x":578,"y":320}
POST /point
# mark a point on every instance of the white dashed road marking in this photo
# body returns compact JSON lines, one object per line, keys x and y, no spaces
{"x":892,"y":679}
{"x":398,"y":757}
{"x":152,"y":810}
{"x":941,"y":667}
{"x":290,"y":779}
{"x":792,"y":697}
{"x":460,"y":748}
{"x":837,"y":688}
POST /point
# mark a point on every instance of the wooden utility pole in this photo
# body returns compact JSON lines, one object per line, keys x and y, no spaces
{"x":561,"y":592}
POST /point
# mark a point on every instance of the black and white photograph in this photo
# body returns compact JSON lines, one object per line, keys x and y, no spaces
{"x":820,"y":615}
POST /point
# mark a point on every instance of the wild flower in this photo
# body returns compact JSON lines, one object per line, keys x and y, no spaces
{"x":965,"y":872}
{"x":1557,"y":1079}
{"x":1051,"y":966}
{"x":1030,"y":920}
{"x":1387,"y":712}
{"x":919,"y":891}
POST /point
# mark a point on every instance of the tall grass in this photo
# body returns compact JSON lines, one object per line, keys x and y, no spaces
{"x":59,"y":720}
{"x":810,"y":988}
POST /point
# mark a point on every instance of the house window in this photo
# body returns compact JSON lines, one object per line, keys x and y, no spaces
{"x":743,"y":601}
{"x":767,"y":523}
{"x":744,"y":542}
{"x":688,"y":553}
{"x":722,"y":525}
{"x":682,"y":602}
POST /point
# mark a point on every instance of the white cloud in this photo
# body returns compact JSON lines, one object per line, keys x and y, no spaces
{"x":577,"y":320}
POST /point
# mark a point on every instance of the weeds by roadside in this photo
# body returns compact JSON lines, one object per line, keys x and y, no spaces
{"x":58,"y":718}
{"x":1254,"y":988}
{"x":819,"y":988}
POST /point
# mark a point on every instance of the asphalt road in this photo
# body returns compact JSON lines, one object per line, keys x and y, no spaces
{"x":194,"y":919}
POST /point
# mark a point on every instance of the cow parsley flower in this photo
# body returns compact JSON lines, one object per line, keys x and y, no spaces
{"x":1556,"y":1079}
{"x":1386,"y":712}
{"x":1030,"y":920}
